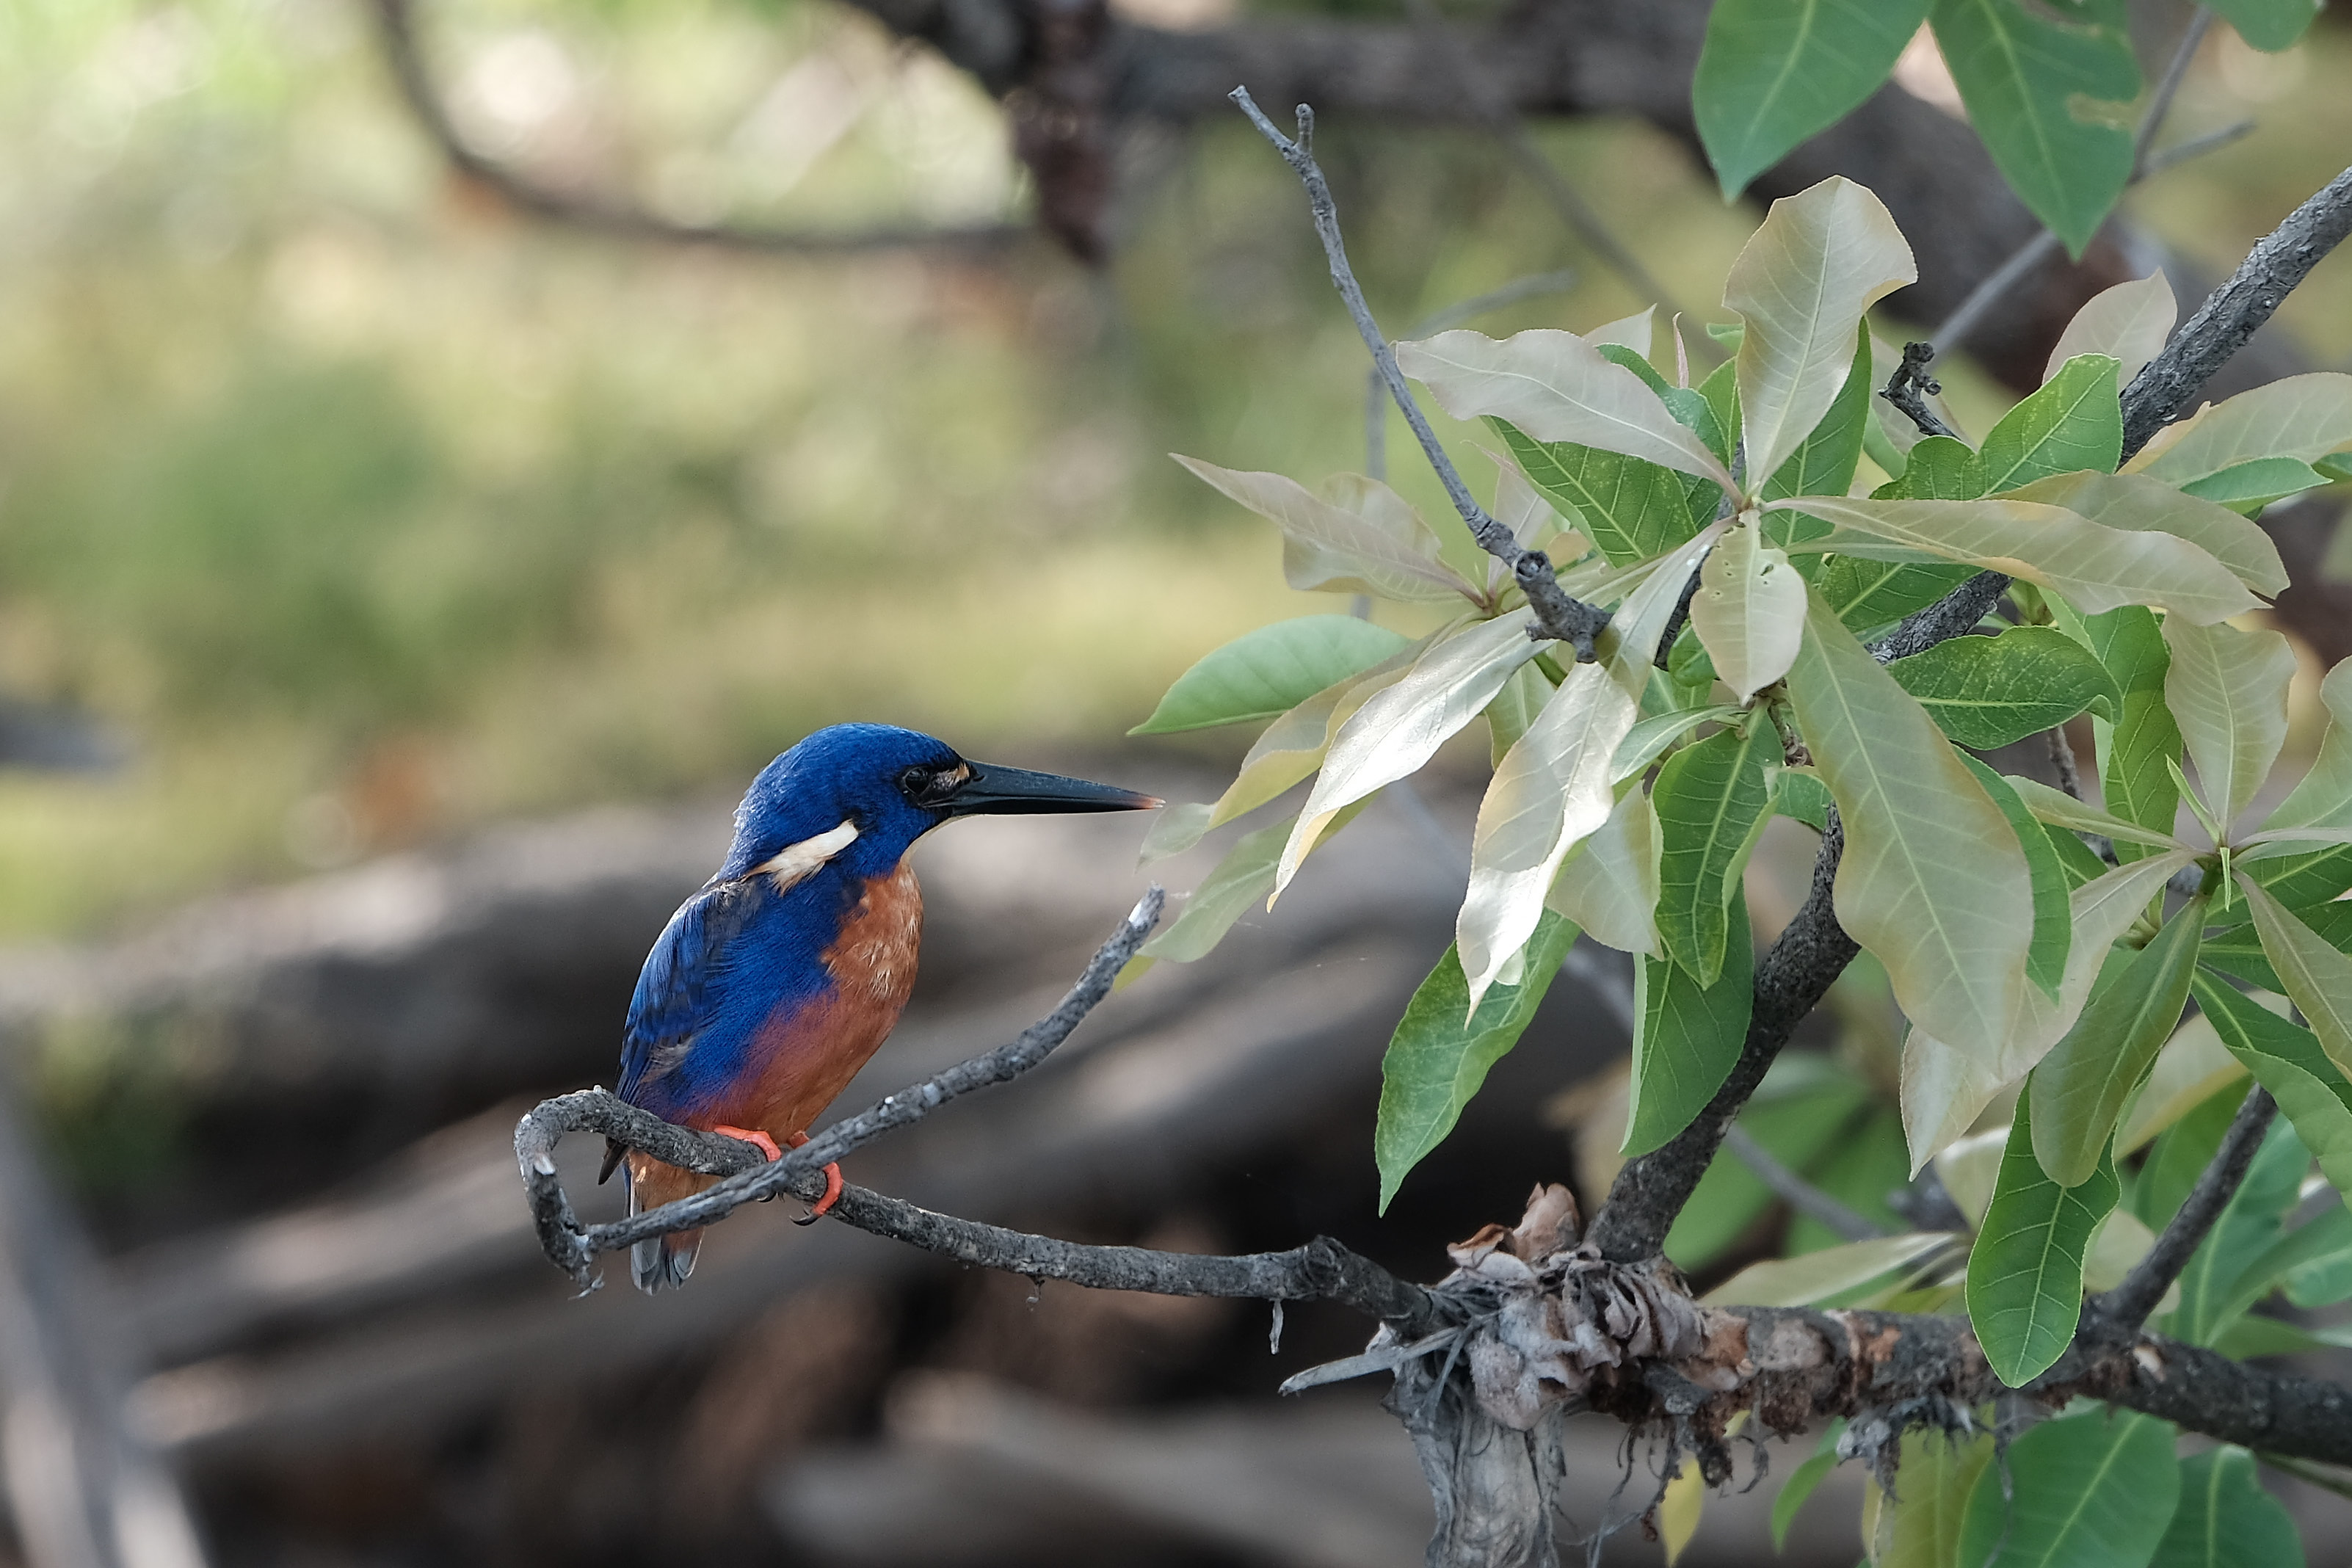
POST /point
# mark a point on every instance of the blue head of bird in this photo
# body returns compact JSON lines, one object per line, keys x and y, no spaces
{"x":858,"y":795}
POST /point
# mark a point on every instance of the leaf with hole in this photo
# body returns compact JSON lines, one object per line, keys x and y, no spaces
{"x":1750,"y":611}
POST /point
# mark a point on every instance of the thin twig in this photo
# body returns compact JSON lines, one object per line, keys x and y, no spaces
{"x":1796,"y":1192}
{"x":1910,"y":388}
{"x":2120,"y":1312}
{"x":1533,"y":287}
{"x":572,"y":1246}
{"x":1570,"y":620}
{"x":2062,"y":758}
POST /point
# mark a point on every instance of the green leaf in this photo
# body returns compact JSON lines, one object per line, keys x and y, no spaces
{"x":1859,"y":1170}
{"x":1631,"y":509}
{"x":2062,"y":810}
{"x":1358,"y":537}
{"x":1932,"y":878}
{"x":2092,"y":1490}
{"x":2138,"y":504}
{"x":1803,"y":1107}
{"x":1440,"y":1051}
{"x":1773,"y":72}
{"x":2237,"y":948}
{"x":1555,"y":386}
{"x":2096,"y":567}
{"x":2248,"y":1225}
{"x":2026,"y":78}
{"x":1750,"y":611}
{"x":1818,"y":1275}
{"x":2323,"y":796}
{"x":1647,"y":740}
{"x":2081,"y":1086}
{"x":1269,"y":671}
{"x":1802,"y":1482}
{"x":1295,"y":744}
{"x":1986,"y":692}
{"x":2316,"y":976}
{"x":1686,"y":1036}
{"x":1800,"y":284}
{"x":1712,"y":799}
{"x":2193,"y":1067}
{"x":1720,"y":389}
{"x":2135,"y":750}
{"x":2268,"y":24}
{"x":2128,"y":322}
{"x":2314,"y":1261}
{"x":1941,"y":468}
{"x":2025,"y":1271}
{"x":2286,"y":1060}
{"x":2227,"y":690}
{"x":1799,"y":794}
{"x":1867,"y":595}
{"x":2302,"y":416}
{"x":2300,"y":881}
{"x":2075,"y":422}
{"x":1824,"y":462}
{"x":2256,"y":484}
{"x":2224,"y":1518}
{"x":1921,"y":1527}
{"x":1242,"y":880}
{"x":2045,"y":960}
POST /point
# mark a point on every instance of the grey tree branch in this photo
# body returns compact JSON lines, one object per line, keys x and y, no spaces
{"x":1795,"y":1190}
{"x":2119,"y":1314}
{"x":573,"y":1245}
{"x":1570,"y":620}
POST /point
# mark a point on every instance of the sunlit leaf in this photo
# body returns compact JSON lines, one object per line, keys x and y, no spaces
{"x":2193,"y":1067}
{"x":1679,"y":1506}
{"x":1986,"y":692}
{"x":2302,"y":416}
{"x":2062,"y":810}
{"x":2227,"y":690}
{"x":2224,"y":1518}
{"x":1921,"y":1527}
{"x":1686,"y":1036}
{"x":2096,"y":567}
{"x":1552,"y":789}
{"x":1712,"y":799}
{"x":1515,"y":708}
{"x":1269,"y":671}
{"x":1442,"y":1050}
{"x":2045,"y":960}
{"x":1609,"y":887}
{"x":1400,"y":726}
{"x":2128,"y":323}
{"x":2323,"y":796}
{"x":1773,"y":72}
{"x":2138,"y":504}
{"x":1823,"y":463}
{"x":2025,"y":1271}
{"x":1631,"y":642}
{"x":2073,"y":424}
{"x":1294,"y":745}
{"x":1555,"y":386}
{"x":2028,"y":79}
{"x":2317,"y":977}
{"x":1750,"y":611}
{"x":1359,"y":537}
{"x":1647,"y":740}
{"x":1932,"y":879}
{"x":1817,"y":1276}
{"x":2090,"y":1491}
{"x":1800,"y":284}
{"x":1636,"y":331}
{"x":2080,"y":1087}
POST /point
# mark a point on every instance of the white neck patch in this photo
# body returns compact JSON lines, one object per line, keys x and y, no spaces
{"x":797,"y":862}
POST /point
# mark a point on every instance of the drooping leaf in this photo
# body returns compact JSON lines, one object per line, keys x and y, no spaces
{"x":1294,"y":745}
{"x":1773,"y":72}
{"x":1986,"y":692}
{"x":1440,"y":1051}
{"x":2073,"y":424}
{"x":1268,"y":671}
{"x":1801,"y":285}
{"x":1609,"y":887}
{"x":2302,"y":416}
{"x":1552,"y":790}
{"x":1515,"y":708}
{"x":2138,"y":504}
{"x":2224,"y":1519}
{"x":1711,"y":798}
{"x":1824,"y":461}
{"x":1679,"y":1506}
{"x":2027,"y":78}
{"x":2316,"y":976}
{"x":1932,"y":878}
{"x":2248,"y":1227}
{"x":1241,"y":881}
{"x":2045,"y":960}
{"x":2081,"y":1086}
{"x":1750,"y":611}
{"x":1920,"y":1528}
{"x":2193,"y":1067}
{"x":1630,"y":509}
{"x":2128,"y":322}
{"x":2025,"y":1271}
{"x":1686,"y":1036}
{"x":2227,"y":690}
{"x":1359,"y":537}
{"x":1555,"y":386}
{"x":2096,"y":567}
{"x":1802,"y":1482}
{"x":1817,"y":1276}
{"x":2091,"y":1490}
{"x":1400,"y":727}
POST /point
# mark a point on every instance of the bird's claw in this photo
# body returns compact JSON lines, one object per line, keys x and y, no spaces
{"x":818,"y":1210}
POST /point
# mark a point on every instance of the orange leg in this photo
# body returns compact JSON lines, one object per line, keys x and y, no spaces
{"x":832,"y":1185}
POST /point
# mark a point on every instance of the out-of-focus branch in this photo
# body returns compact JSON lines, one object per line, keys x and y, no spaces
{"x":2119,"y":1314}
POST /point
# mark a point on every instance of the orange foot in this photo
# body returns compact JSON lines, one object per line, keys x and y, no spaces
{"x":760,"y":1141}
{"x":831,"y":1185}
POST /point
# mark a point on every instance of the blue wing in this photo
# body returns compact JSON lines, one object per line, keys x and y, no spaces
{"x":682,"y":985}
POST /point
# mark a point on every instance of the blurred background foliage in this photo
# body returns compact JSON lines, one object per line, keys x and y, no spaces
{"x":359,"y":508}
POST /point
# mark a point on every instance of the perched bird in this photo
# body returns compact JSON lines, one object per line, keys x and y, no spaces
{"x":772,"y":986}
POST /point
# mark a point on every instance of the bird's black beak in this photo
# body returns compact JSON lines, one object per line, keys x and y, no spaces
{"x":998,"y":791}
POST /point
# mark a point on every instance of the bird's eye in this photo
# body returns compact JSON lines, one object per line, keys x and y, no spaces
{"x":915,"y":783}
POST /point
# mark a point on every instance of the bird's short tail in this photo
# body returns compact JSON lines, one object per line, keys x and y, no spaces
{"x":664,"y":1262}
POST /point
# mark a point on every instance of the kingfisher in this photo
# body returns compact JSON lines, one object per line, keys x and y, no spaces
{"x":772,"y":986}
